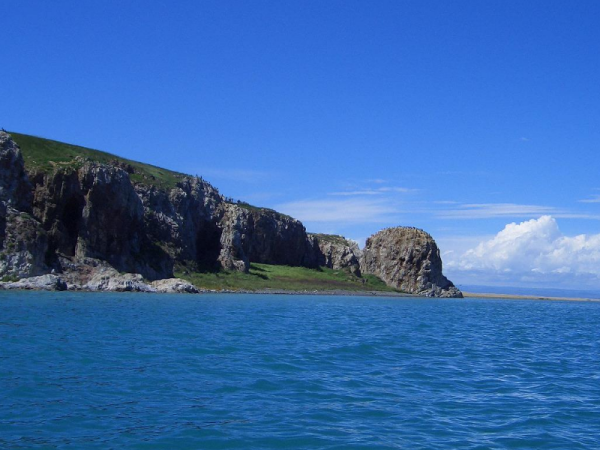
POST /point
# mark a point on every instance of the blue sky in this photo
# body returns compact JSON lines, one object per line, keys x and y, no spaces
{"x":456,"y":117}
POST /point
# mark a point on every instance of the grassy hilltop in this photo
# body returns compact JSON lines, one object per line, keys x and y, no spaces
{"x":45,"y":155}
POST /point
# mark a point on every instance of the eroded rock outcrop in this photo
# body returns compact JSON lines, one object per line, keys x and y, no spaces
{"x":23,"y":241}
{"x":15,"y":187}
{"x":269,"y":237}
{"x":93,"y":211}
{"x":184,"y":220}
{"x":48,"y":282}
{"x":174,"y":286}
{"x":24,"y":244}
{"x":337,"y":252}
{"x":407,"y":259}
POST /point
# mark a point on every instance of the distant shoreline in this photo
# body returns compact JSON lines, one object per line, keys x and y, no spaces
{"x":527,"y":297}
{"x":340,"y":292}
{"x":335,"y":292}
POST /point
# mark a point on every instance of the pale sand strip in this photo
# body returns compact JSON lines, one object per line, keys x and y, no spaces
{"x":528,"y":297}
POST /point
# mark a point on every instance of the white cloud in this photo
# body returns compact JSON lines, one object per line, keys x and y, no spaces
{"x":356,"y":210}
{"x":355,"y":193}
{"x":508,"y":210}
{"x":445,"y":202}
{"x":377,"y":181}
{"x":532,"y":251}
{"x":594,"y":199}
{"x":490,"y":210}
{"x":378,"y":191}
{"x":397,"y":189}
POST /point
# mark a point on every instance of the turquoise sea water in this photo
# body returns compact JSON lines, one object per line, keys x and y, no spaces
{"x":142,"y":371}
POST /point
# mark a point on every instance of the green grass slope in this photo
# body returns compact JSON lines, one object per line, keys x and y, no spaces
{"x":43,"y":155}
{"x":265,"y":276}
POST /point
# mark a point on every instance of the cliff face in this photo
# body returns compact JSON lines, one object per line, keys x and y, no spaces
{"x":274,"y":238}
{"x":90,"y":221}
{"x":15,"y":188}
{"x":183,"y":221}
{"x":94,"y":211}
{"x":337,"y":252}
{"x":23,"y":241}
{"x":408,"y":259}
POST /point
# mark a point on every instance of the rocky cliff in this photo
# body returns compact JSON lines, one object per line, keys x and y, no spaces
{"x":89,"y":216}
{"x":84,"y":210}
{"x":336,"y":252}
{"x":92,"y":210}
{"x":408,"y":259}
{"x":23,"y":241}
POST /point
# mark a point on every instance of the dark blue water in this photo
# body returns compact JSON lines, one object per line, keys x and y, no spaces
{"x":142,"y":371}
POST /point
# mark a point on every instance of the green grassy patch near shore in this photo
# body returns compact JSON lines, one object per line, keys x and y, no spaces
{"x":265,"y":276}
{"x":45,"y":155}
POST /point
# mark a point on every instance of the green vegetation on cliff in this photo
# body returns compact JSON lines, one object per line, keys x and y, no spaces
{"x":44,"y":155}
{"x":266,"y":276}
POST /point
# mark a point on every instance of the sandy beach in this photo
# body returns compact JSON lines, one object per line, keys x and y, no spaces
{"x":527,"y":297}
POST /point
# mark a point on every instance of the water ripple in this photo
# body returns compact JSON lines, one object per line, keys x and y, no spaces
{"x":268,"y":372}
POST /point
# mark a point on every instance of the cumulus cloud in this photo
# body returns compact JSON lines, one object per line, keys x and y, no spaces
{"x":534,"y":250}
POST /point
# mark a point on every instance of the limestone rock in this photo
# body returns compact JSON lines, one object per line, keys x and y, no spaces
{"x":23,"y":244}
{"x":15,"y":188}
{"x":274,"y":238}
{"x":185,"y":220}
{"x":233,"y":226}
{"x":108,"y":279}
{"x":23,"y":241}
{"x":94,"y":212}
{"x":174,"y":286}
{"x":337,"y":252}
{"x":407,"y":259}
{"x":58,"y":203}
{"x":46,"y":282}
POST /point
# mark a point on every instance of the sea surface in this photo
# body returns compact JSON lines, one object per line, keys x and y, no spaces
{"x":147,"y":371}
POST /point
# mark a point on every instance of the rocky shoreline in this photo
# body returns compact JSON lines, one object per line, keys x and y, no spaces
{"x":51,"y":282}
{"x":126,"y":283}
